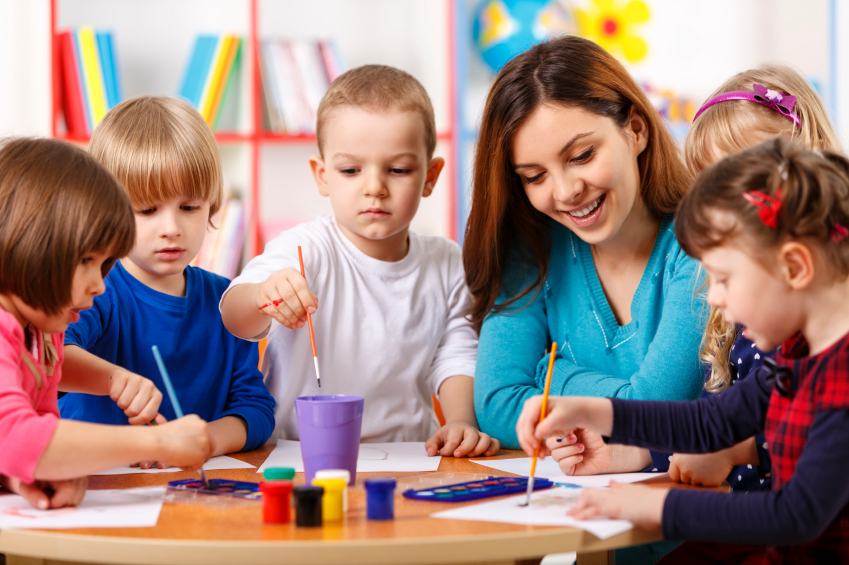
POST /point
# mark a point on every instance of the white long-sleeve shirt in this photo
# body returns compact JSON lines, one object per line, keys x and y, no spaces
{"x":389,"y":332}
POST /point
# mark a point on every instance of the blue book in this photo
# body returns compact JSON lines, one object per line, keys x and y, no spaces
{"x":105,"y":46}
{"x":86,"y":95}
{"x":200,"y":65}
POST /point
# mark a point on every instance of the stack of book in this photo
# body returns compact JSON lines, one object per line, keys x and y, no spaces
{"x":89,"y":78}
{"x":222,"y":247}
{"x":211,"y":73}
{"x":295,"y":75}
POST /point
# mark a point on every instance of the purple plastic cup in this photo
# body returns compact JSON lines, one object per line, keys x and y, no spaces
{"x":329,"y":429}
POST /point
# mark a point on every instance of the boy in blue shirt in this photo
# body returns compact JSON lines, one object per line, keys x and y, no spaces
{"x":167,"y":158}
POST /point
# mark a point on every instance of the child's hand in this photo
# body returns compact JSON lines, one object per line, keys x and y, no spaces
{"x":639,"y":504}
{"x":137,"y":396}
{"x":150,"y":464}
{"x":461,"y":439}
{"x":185,"y":443}
{"x":285,"y":297}
{"x":564,"y":415}
{"x":705,"y":469}
{"x":46,"y":495}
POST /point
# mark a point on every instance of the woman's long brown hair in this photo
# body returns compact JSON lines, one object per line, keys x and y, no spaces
{"x":573,"y":72}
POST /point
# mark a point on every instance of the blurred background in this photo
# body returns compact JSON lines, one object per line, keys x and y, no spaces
{"x":257,"y":68}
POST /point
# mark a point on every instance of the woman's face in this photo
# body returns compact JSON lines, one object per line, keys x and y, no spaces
{"x":580,"y":169}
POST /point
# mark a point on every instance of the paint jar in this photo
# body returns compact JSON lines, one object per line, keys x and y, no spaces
{"x":332,"y":506}
{"x":279,"y":474}
{"x":380,"y":499}
{"x":276,"y":502}
{"x":308,"y":506}
{"x":337,"y":474}
{"x":329,"y":429}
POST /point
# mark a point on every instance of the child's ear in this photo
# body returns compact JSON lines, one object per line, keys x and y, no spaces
{"x":433,"y":169}
{"x":797,"y":264}
{"x":640,"y":129}
{"x":318,"y":170}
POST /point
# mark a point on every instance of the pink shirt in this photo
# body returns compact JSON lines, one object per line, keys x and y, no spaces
{"x":28,"y":414}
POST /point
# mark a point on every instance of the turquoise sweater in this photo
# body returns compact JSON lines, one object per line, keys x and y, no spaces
{"x":655,"y":357}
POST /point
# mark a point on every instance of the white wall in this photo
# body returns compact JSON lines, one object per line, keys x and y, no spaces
{"x":25,"y":99}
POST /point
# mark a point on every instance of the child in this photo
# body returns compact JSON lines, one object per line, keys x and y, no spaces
{"x":390,"y":326}
{"x":769,"y":226}
{"x":733,"y":119}
{"x":63,"y":221}
{"x":166,"y":157}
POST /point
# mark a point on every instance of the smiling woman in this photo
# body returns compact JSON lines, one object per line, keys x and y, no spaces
{"x":570,"y":239}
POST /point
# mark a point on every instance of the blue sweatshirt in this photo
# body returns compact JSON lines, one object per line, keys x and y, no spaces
{"x":655,"y":356}
{"x":214,"y":373}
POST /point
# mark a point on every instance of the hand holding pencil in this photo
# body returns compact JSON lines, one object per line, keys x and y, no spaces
{"x":286,"y":297}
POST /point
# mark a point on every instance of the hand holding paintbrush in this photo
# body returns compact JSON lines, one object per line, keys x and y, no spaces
{"x":541,"y":417}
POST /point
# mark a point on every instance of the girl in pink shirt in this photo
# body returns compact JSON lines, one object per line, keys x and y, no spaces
{"x":64,"y":221}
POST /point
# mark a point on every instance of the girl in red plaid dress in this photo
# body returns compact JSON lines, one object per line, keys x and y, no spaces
{"x":769,"y":226}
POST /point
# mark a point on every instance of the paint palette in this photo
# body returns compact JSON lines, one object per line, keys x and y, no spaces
{"x":238,"y":489}
{"x":476,"y":490}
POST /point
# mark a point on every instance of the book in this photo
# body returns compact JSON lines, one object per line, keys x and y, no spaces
{"x":295,"y":74}
{"x":211,"y":69}
{"x":73,"y":98}
{"x":107,"y":63}
{"x":93,"y":73}
{"x":197,"y":69}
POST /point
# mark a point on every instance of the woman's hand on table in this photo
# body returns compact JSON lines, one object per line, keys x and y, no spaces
{"x":46,"y":495}
{"x":461,"y":439}
{"x":639,"y":504}
{"x":584,"y":452}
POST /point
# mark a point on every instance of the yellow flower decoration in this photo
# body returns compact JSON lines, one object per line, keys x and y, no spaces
{"x":605,"y":22}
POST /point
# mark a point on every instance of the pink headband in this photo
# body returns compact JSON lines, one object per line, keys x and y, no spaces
{"x":778,"y":101}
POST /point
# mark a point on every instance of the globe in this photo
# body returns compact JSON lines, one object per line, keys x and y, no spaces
{"x":502,"y":29}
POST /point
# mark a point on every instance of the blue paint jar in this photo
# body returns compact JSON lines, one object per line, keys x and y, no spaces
{"x":380,"y":499}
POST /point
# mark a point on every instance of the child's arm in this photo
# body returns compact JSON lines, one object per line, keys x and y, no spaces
{"x":248,"y":417}
{"x":80,"y":448}
{"x":285,"y":296}
{"x":797,"y":513}
{"x":711,"y":469}
{"x":48,"y":494}
{"x":137,"y":396}
{"x":460,"y":437}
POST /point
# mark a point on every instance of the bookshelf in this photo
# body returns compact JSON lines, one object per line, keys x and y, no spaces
{"x":256,"y":160}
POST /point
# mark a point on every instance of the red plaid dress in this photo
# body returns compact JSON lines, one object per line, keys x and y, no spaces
{"x":819,"y":383}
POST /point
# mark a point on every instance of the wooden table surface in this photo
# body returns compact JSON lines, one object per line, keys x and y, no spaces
{"x":189,"y":533}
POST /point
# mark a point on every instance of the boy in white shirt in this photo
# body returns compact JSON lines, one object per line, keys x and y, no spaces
{"x":391,"y":323}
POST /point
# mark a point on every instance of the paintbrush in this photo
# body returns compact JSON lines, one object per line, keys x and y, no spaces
{"x":541,"y":418}
{"x":309,"y":323}
{"x":174,"y":402}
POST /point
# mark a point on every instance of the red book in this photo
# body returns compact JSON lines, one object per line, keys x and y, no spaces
{"x":72,"y":103}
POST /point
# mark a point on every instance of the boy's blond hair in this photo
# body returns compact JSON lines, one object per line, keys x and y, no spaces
{"x":160,"y":148}
{"x":727,"y":128}
{"x":377,"y":88}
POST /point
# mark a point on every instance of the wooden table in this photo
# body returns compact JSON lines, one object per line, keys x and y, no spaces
{"x":190,"y":534}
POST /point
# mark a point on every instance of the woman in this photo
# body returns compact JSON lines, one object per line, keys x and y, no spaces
{"x":569,"y":240}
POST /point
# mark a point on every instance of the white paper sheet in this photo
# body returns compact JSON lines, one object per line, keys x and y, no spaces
{"x":127,"y":508}
{"x":548,"y":469}
{"x":215,"y":464}
{"x":547,"y":508}
{"x":374,"y":457}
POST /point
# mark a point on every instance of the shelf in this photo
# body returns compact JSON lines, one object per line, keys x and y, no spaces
{"x":285,"y":138}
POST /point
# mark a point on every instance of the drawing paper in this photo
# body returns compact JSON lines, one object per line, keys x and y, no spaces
{"x":547,"y":508}
{"x":548,"y":469}
{"x":215,"y":464}
{"x":127,"y":508}
{"x":374,"y":457}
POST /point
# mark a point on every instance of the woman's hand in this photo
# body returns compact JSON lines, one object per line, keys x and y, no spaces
{"x":584,"y":452}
